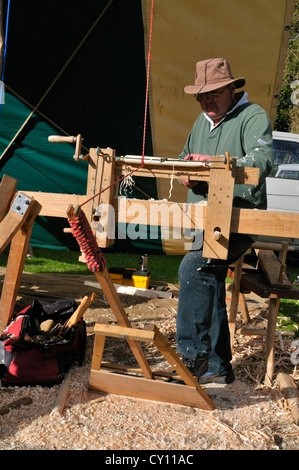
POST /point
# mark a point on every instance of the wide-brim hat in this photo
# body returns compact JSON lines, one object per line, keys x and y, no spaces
{"x":212,"y":74}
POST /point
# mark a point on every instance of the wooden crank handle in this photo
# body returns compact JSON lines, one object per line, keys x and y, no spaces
{"x":62,"y":138}
{"x":71,"y":140}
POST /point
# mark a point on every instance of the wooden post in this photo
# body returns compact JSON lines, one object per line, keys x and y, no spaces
{"x":15,"y":263}
{"x":235,"y":299}
{"x":101,"y":177}
{"x":272,"y":318}
{"x":289,"y":388}
{"x":121,"y":317}
{"x":219,"y":208}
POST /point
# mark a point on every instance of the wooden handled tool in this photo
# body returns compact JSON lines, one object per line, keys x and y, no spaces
{"x":62,"y":138}
{"x":70,"y":139}
{"x":78,"y":314}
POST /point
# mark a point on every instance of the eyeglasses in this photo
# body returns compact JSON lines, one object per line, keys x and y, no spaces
{"x":215,"y":95}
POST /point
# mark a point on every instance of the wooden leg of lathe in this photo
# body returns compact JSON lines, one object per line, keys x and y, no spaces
{"x":15,"y":265}
{"x":235,"y":299}
{"x":270,"y":359}
{"x":122,"y":319}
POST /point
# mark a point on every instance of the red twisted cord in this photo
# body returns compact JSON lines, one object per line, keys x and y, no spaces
{"x":81,"y":230}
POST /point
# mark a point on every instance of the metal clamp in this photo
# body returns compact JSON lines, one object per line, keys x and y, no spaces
{"x":21,"y":204}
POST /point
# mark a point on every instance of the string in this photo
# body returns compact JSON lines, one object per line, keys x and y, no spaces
{"x":145,"y":113}
{"x":147,"y":80}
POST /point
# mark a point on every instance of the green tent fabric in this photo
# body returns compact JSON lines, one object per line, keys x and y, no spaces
{"x":39,"y":165}
{"x":101,"y":95}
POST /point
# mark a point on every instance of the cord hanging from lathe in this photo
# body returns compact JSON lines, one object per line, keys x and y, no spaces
{"x":145,"y":114}
{"x":78,"y":222}
{"x":82,"y":231}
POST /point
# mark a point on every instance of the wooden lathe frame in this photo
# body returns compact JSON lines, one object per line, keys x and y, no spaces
{"x":105,"y":169}
{"x":217,"y":217}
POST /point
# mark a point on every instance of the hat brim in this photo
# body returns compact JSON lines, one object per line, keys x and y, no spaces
{"x":197,"y":89}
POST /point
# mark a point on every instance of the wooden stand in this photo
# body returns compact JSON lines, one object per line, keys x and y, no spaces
{"x":15,"y":228}
{"x":130,"y":383}
{"x":146,"y":387}
{"x":142,"y":387}
{"x":270,"y":281}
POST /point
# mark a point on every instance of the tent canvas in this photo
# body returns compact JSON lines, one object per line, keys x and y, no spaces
{"x":101,"y":92}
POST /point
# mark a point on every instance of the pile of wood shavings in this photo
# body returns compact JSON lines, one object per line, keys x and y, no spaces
{"x":249,"y":359}
{"x":246,"y":417}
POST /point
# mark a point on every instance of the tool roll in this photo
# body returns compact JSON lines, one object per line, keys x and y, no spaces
{"x":39,"y":348}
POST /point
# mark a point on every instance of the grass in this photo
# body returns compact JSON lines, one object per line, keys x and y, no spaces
{"x":163,"y":268}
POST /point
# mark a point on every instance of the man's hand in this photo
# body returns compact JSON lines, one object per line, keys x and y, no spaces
{"x":196,"y":157}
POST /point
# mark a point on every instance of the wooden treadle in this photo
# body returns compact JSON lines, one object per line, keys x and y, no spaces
{"x":190,"y":394}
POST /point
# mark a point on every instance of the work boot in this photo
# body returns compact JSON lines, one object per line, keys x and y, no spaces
{"x":210,"y":377}
{"x":197,"y":366}
{"x":201,"y":364}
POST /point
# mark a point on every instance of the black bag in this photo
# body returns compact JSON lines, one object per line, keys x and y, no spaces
{"x":33,"y":357}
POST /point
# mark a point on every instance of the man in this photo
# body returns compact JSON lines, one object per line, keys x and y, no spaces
{"x":228,"y":123}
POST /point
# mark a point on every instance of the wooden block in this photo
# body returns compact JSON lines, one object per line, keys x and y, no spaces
{"x":177,"y":169}
{"x":115,"y":303}
{"x":219,"y":210}
{"x":124,"y":332}
{"x":7,"y":189}
{"x":101,"y":178}
{"x":155,"y":390}
{"x":171,"y":356}
{"x":272,"y":269}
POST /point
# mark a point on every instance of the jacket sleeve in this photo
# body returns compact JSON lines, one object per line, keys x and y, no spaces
{"x":257,"y":143}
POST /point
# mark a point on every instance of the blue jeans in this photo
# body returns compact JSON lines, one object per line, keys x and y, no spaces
{"x":202,"y":325}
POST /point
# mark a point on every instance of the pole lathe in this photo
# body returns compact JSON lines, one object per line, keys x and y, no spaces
{"x":105,"y":168}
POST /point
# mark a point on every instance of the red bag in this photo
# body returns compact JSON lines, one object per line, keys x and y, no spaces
{"x":27,"y":362}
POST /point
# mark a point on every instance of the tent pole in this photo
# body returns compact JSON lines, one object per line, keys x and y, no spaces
{"x":1,"y":38}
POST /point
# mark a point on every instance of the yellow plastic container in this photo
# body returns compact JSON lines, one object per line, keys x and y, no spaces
{"x":141,"y":279}
{"x":130,"y":277}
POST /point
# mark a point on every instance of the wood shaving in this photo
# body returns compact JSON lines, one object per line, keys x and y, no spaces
{"x":248,"y":414}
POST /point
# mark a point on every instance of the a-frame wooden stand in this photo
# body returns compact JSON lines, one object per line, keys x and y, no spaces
{"x":150,"y":385}
{"x":17,"y":215}
{"x":130,"y":383}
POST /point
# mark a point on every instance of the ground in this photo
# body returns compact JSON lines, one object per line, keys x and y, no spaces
{"x":248,"y":415}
